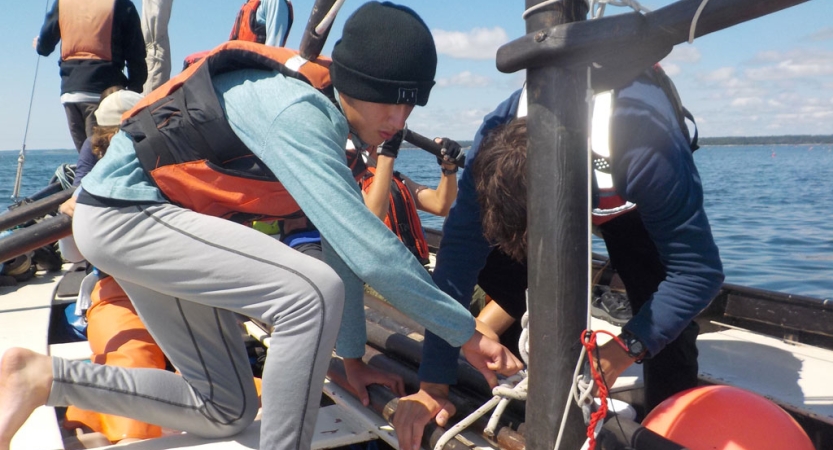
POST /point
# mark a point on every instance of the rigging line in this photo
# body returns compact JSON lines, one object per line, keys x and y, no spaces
{"x":21,"y":158}
{"x":328,"y":19}
{"x":597,"y":7}
{"x":543,"y":5}
{"x":695,"y":19}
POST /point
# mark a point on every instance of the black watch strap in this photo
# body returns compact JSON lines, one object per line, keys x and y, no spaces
{"x":449,"y":171}
{"x":635,"y":348}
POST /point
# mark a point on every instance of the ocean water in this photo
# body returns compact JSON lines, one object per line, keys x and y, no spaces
{"x":770,"y":208}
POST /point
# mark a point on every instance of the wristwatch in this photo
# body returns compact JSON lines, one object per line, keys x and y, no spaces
{"x":635,"y":348}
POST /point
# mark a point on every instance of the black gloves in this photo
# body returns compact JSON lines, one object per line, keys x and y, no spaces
{"x":391,"y":146}
{"x":452,"y":154}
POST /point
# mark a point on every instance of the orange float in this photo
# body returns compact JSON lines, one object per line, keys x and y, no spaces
{"x":726,"y":418}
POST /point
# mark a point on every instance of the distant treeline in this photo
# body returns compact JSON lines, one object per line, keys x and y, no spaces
{"x":464,"y":144}
{"x":735,"y":140}
{"x":768,"y":140}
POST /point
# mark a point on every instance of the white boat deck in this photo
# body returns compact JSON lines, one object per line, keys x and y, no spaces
{"x":24,"y":322}
{"x":795,"y":376}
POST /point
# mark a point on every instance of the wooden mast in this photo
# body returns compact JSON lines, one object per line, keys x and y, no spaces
{"x":557,"y":235}
{"x":556,"y":53}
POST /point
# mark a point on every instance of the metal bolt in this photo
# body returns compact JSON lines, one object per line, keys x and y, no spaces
{"x":540,"y":36}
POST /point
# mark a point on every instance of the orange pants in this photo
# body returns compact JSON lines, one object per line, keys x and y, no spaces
{"x":118,"y":338}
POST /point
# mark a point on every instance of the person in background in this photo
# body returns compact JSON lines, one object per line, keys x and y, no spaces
{"x":662,"y":248}
{"x":87,"y":158}
{"x":395,"y":198}
{"x":154,"y":224}
{"x":98,"y":40}
{"x":155,"y":17}
{"x":263,"y":21}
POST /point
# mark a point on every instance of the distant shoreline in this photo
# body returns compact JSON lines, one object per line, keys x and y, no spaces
{"x":768,"y":140}
{"x":732,"y":140}
{"x":715,"y":141}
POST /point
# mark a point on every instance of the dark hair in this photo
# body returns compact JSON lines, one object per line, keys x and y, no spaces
{"x":101,"y":139}
{"x":110,"y":90}
{"x":101,"y":134}
{"x":499,"y":173}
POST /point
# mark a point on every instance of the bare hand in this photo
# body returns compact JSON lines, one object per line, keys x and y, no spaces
{"x":613,"y":361}
{"x":35,"y":43}
{"x":360,"y":375}
{"x":68,"y":207}
{"x":415,"y":411}
{"x":488,"y":356}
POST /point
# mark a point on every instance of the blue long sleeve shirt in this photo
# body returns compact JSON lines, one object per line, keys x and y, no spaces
{"x":653,"y":168}
{"x":275,"y":16}
{"x":300,"y":135}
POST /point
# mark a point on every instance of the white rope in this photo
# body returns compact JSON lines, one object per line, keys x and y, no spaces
{"x":328,"y":19}
{"x":514,"y":388}
{"x":523,"y":341}
{"x":597,"y":7}
{"x":695,"y":19}
{"x":545,"y":4}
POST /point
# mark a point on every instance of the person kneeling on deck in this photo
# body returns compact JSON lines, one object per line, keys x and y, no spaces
{"x":663,"y":248}
{"x":262,"y":140}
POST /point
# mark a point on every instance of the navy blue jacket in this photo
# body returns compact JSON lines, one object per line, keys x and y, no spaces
{"x":654,"y":168}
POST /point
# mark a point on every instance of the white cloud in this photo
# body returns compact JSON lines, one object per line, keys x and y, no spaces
{"x":792,"y":65}
{"x":825,"y":34}
{"x":684,"y":54}
{"x":746,"y":101}
{"x":464,"y":79}
{"x":479,"y":43}
{"x":671,"y":69}
{"x":457,"y":124}
{"x":722,"y":74}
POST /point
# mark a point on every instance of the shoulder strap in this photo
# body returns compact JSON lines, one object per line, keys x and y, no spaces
{"x":664,"y":81}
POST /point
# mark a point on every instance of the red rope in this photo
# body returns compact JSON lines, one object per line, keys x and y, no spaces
{"x":588,"y":339}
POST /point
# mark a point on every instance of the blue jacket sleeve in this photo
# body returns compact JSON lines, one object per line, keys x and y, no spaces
{"x":654,"y":168}
{"x":463,"y":252}
{"x":50,"y":33}
{"x":86,"y":161}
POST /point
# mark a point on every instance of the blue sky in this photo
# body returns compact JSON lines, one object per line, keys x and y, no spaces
{"x":770,"y":76}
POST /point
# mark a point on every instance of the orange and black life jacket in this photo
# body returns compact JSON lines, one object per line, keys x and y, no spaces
{"x":188,"y":149}
{"x":402,"y":218}
{"x":246,"y":27}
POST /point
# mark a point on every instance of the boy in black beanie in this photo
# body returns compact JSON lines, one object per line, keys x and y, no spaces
{"x":276,"y":146}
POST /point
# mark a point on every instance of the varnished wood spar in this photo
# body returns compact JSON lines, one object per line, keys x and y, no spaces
{"x":622,"y":45}
{"x":29,"y":211}
{"x":384,"y":402}
{"x":35,"y":236}
{"x":428,"y":145}
{"x":311,"y":42}
{"x":558,"y":245}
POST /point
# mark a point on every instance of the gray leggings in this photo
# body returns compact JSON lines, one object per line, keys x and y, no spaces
{"x":188,"y":275}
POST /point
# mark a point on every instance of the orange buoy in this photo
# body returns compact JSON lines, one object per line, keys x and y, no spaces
{"x":726,"y":418}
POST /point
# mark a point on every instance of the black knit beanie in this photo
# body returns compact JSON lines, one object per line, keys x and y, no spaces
{"x":386,"y":54}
